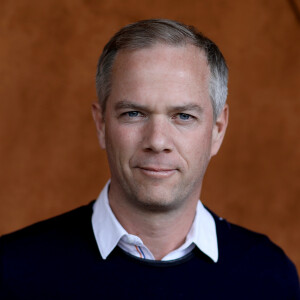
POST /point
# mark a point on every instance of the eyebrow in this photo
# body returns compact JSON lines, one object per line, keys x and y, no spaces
{"x":125,"y":104}
{"x":128,"y":104}
{"x":188,"y":107}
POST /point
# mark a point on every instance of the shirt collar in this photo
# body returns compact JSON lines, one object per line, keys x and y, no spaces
{"x":108,"y":231}
{"x":203,"y":232}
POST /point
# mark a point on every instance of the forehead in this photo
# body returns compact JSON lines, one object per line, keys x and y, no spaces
{"x":164,"y":59}
{"x":177,"y":74}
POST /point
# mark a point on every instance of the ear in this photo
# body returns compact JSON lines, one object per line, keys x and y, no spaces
{"x":99,"y":122}
{"x":219,"y":129}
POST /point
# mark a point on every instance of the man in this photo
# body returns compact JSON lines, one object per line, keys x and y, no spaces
{"x":161,"y":116}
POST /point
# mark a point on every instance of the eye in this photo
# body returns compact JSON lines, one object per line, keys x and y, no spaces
{"x":132,"y":114}
{"x":184,"y":116}
{"x":184,"y":119}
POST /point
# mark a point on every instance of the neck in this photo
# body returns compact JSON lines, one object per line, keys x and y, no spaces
{"x":161,"y":232}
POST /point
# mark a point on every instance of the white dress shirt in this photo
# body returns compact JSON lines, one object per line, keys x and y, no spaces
{"x":109,"y":233}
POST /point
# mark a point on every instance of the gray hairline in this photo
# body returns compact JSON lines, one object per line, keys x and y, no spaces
{"x":218,"y":76}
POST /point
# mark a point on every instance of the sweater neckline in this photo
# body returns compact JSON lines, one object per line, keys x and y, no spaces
{"x":154,"y":263}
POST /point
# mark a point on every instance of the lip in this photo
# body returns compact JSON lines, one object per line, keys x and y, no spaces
{"x":157,"y":172}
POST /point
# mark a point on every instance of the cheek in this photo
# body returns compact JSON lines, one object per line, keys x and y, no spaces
{"x":195,"y":149}
{"x":121,"y":141}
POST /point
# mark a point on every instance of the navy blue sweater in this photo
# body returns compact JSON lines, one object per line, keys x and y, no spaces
{"x":59,"y":259}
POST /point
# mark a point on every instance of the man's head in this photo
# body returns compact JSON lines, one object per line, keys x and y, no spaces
{"x":147,"y":33}
{"x":158,"y":125}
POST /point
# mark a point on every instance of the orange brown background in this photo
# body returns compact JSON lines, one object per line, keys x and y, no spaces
{"x":50,"y":161}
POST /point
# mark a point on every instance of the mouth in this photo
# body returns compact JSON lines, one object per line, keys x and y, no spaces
{"x":157,"y":172}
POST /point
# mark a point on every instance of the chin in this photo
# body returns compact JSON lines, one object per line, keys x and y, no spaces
{"x":162,"y":202}
{"x":156,"y":206}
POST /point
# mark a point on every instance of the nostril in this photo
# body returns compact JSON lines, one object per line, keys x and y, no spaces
{"x":157,"y":150}
{"x":148,"y":150}
{"x":167,"y":150}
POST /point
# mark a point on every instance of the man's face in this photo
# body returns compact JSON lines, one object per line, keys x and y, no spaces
{"x":158,"y":127}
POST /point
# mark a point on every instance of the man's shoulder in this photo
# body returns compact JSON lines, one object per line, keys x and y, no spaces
{"x":236,"y":236}
{"x":238,"y":241}
{"x":39,"y":259}
{"x":67,"y":226}
{"x":248,"y":255}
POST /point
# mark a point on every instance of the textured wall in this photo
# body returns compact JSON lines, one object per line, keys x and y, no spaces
{"x":50,"y":161}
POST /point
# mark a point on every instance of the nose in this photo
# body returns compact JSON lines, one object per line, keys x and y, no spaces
{"x":157,"y":135}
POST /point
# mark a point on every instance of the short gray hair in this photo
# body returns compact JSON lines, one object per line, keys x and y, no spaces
{"x":146,"y":33}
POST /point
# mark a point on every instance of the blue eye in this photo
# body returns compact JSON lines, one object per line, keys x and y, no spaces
{"x":132,"y":114}
{"x":184,"y":116}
